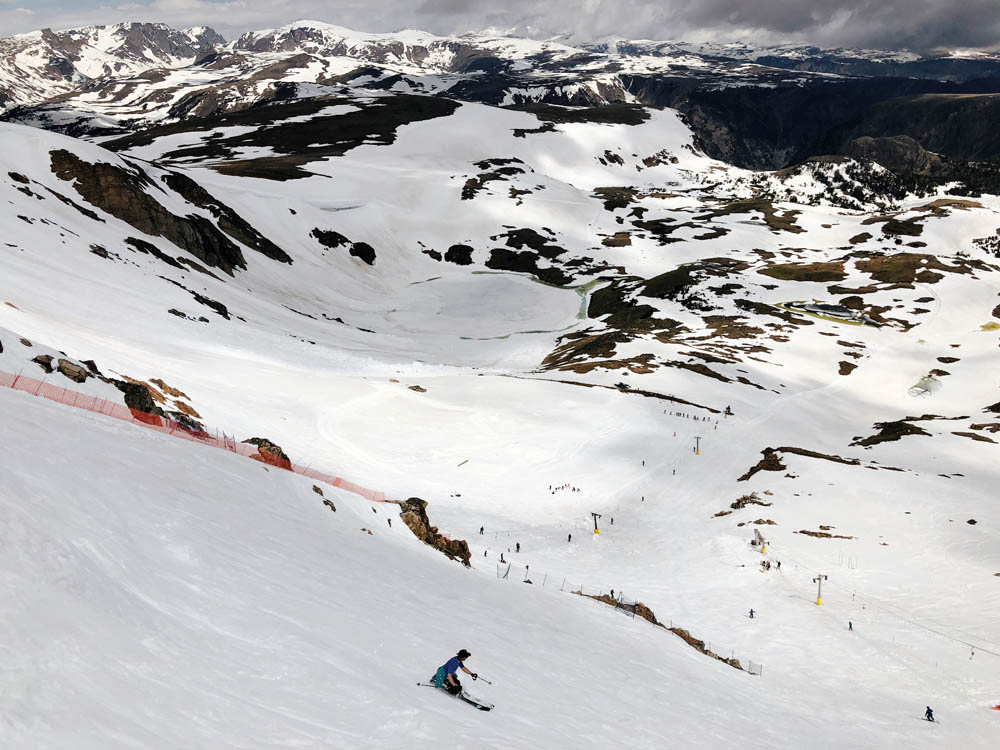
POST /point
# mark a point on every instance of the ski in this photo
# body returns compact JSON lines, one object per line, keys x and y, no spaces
{"x":462,"y":697}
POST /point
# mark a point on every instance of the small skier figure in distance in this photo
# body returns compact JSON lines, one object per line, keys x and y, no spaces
{"x":447,"y":674}
{"x":751,"y":614}
{"x":929,"y":714}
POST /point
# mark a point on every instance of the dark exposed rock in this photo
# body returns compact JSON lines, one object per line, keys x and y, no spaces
{"x":898,"y":153}
{"x":125,"y":195}
{"x":73,"y":371}
{"x":459,"y":254}
{"x":45,"y":362}
{"x":822,"y":534}
{"x":888,"y":431}
{"x":269,"y":453}
{"x":331,"y":239}
{"x":364,"y":251}
{"x":770,"y":462}
{"x":641,"y":610}
{"x":138,"y":397}
{"x":414,"y":515}
{"x":525,"y":261}
{"x":147,"y":248}
{"x":229,"y":221}
{"x":745,"y":500}
{"x":201,"y":299}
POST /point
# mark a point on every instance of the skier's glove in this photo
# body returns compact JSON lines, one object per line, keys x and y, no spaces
{"x":475,"y":676}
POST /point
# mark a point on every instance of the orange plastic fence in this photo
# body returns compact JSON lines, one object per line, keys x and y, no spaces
{"x":170,"y":427}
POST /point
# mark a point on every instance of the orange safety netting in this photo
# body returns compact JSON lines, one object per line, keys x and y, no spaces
{"x":174,"y":429}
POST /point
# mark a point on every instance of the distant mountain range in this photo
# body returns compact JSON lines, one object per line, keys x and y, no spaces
{"x":765,"y":107}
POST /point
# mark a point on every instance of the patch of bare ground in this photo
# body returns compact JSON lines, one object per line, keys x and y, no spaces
{"x":889,"y":431}
{"x":860,"y":238}
{"x":759,"y":522}
{"x":837,"y":289}
{"x":907,"y":268}
{"x":822,"y":534}
{"x":579,"y":347}
{"x":641,"y":364}
{"x":618,"y":239}
{"x":759,"y":308}
{"x":892,"y":227}
{"x":641,"y":610}
{"x":770,"y":462}
{"x":699,"y":368}
{"x":975,"y":436}
{"x":616,"y":197}
{"x":752,"y":499}
{"x":987,"y":426}
{"x":846,"y":368}
{"x":779,"y":222}
{"x":731,"y":327}
{"x":816,"y":454}
{"x":939,"y":207}
{"x":822,"y":272}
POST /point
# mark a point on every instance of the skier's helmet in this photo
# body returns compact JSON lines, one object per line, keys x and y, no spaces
{"x":463,"y":654}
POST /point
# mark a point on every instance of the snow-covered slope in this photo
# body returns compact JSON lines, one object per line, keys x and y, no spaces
{"x":486,"y":307}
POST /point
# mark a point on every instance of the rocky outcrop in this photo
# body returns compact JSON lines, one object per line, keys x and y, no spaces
{"x":897,"y":153}
{"x":230,"y":222}
{"x":45,"y":362}
{"x":360,"y":250}
{"x":770,"y":462}
{"x":123,"y":194}
{"x":641,"y":610}
{"x":414,"y":515}
{"x":269,"y":453}
{"x":73,"y":371}
{"x":138,"y":397}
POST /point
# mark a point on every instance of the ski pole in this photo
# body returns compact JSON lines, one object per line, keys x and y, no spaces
{"x":477,"y":677}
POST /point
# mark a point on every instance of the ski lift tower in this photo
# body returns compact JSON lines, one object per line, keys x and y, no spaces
{"x":819,"y":590}
{"x":759,"y":541}
{"x":596,"y":516}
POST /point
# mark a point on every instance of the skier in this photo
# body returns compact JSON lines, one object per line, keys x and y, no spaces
{"x":447,"y":674}
{"x":751,"y":614}
{"x":928,"y":714}
{"x":569,"y":537}
{"x":850,"y":625}
{"x":481,"y":530}
{"x":518,"y":547}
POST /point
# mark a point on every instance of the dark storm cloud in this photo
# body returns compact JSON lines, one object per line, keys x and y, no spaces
{"x":916,"y":24}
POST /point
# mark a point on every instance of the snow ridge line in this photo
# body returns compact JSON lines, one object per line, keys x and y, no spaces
{"x":169,"y":427}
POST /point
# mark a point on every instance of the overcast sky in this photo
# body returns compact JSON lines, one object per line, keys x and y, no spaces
{"x":916,"y":24}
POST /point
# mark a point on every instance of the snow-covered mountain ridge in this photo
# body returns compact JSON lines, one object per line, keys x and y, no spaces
{"x":43,"y":64}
